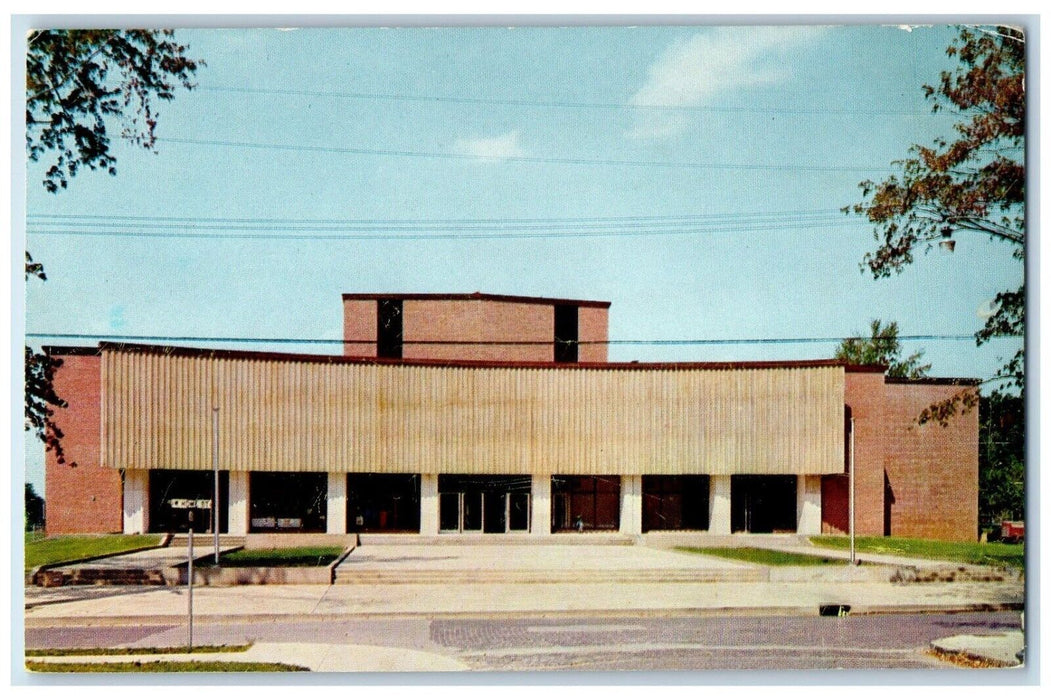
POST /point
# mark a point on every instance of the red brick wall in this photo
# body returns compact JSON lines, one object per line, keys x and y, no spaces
{"x":359,"y":323}
{"x":479,"y":320}
{"x":911,"y":480}
{"x":475,"y":320}
{"x":932,"y":470}
{"x":85,"y":498}
{"x":864,"y":394}
{"x":593,"y":324}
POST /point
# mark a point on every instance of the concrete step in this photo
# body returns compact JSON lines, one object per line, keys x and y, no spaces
{"x":204,"y":539}
{"x":591,"y":539}
{"x":349,"y":575}
{"x":88,"y":576}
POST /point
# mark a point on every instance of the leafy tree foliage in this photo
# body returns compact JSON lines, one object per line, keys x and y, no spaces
{"x":974,"y":183}
{"x":79,"y":85}
{"x":1001,"y":459}
{"x":34,"y":513}
{"x":882,"y":348}
{"x":41,"y":399}
{"x":79,"y":81}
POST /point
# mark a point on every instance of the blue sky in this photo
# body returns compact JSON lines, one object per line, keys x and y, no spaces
{"x":718,"y":156}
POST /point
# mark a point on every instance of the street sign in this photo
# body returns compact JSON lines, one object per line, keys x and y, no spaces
{"x":184,"y":503}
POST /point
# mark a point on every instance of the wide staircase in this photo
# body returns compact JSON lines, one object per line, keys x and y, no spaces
{"x":205,"y":541}
{"x":590,"y":558}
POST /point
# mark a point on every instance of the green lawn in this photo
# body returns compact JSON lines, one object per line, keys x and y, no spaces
{"x":162,"y":667}
{"x":766,"y":557}
{"x":989,"y":554}
{"x":42,"y":550}
{"x":290,"y":556}
{"x":130,"y":651}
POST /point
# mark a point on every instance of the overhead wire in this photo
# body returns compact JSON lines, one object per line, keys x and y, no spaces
{"x":777,"y":167}
{"x":926,"y":337}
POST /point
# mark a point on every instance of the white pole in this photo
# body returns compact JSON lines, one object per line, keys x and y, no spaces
{"x":189,"y":580}
{"x":215,"y":467}
{"x":853,"y":558}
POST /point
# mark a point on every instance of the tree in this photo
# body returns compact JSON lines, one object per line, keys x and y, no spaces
{"x":79,"y":85}
{"x":79,"y":81}
{"x":975,"y":183}
{"x":882,"y":348}
{"x":1001,"y":458}
{"x":34,"y":514}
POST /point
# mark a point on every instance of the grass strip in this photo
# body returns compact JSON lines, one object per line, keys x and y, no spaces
{"x":134,"y":651}
{"x":766,"y":557}
{"x":163,"y":667}
{"x":289,"y":556}
{"x":982,"y":554}
{"x":41,"y":550}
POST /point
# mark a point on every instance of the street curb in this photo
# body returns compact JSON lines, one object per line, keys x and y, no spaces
{"x":751,"y":611}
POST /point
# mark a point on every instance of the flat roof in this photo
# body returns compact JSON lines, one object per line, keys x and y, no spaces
{"x":480,"y":296}
{"x":183,"y":351}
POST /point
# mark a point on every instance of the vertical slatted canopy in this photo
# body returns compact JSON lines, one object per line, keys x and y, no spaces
{"x":283,"y":413}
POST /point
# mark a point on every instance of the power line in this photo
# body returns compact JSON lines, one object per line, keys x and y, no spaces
{"x":191,"y":235}
{"x":457,"y":222}
{"x":527,"y":159}
{"x":424,"y":229}
{"x":341,"y":341}
{"x":564,"y":104}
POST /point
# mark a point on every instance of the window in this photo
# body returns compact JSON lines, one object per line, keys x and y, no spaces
{"x":388,"y":328}
{"x":566,"y":334}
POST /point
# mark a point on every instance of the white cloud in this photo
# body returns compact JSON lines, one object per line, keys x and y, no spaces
{"x":693,"y":71}
{"x":495,"y":148}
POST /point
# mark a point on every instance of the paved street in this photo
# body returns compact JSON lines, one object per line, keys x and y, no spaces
{"x":674,"y":642}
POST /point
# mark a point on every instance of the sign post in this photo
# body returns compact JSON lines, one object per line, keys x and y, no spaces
{"x":189,"y":504}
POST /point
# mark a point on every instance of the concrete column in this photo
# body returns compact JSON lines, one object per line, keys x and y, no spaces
{"x":719,"y":504}
{"x":336,"y":516}
{"x":808,"y":504}
{"x":541,"y":499}
{"x":631,"y":504}
{"x":428,"y":504}
{"x":136,"y":496}
{"x":237,"y":504}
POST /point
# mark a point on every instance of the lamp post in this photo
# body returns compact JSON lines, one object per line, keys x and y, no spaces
{"x":215,"y":468}
{"x":853,"y":558}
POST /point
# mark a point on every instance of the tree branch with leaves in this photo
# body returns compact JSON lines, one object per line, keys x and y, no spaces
{"x":974,"y":183}
{"x":80,"y":84}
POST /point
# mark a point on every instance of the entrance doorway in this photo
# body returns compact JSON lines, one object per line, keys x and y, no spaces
{"x":675,"y":502}
{"x":383,"y":503}
{"x":763,"y":504}
{"x":585,"y":503}
{"x":168,"y":484}
{"x":489,"y":504}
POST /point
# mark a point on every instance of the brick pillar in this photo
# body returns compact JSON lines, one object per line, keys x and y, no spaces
{"x":808,"y":504}
{"x":237,"y":504}
{"x":428,"y":504}
{"x":136,"y":498}
{"x":336,"y":516}
{"x":631,"y":504}
{"x":541,"y":498}
{"x":719,"y":504}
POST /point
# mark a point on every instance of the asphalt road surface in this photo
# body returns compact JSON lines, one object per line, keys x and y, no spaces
{"x":579,"y":643}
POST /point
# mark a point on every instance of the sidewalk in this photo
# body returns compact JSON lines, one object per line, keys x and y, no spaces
{"x":111,"y":604}
{"x":325,"y":658}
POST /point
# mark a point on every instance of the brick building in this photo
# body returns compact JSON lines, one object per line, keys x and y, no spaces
{"x":496,"y":414}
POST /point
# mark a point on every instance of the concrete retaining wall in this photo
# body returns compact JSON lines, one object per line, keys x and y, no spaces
{"x":279,"y":540}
